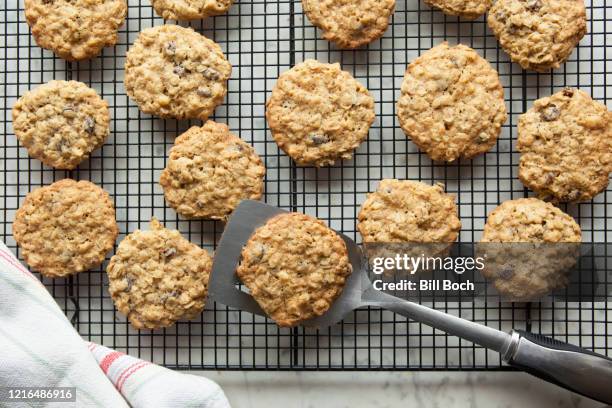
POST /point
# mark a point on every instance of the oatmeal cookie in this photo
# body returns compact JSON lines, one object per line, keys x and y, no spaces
{"x":538,"y":34}
{"x":158,"y":277}
{"x":408,"y":211}
{"x":565,"y":142}
{"x":350,"y":24}
{"x":451,"y":103}
{"x":190,"y":9}
{"x":210,"y":171}
{"x":295,"y":267}
{"x":318,"y":113}
{"x":65,"y":228}
{"x":470,"y":9}
{"x":529,"y":247}
{"x":174,"y":72}
{"x":61,"y":122}
{"x":75,"y":29}
{"x":530,"y":220}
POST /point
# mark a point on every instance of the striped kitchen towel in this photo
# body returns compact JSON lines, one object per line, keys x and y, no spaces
{"x":40,"y":348}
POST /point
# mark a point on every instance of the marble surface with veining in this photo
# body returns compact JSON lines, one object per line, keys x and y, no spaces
{"x":392,"y":389}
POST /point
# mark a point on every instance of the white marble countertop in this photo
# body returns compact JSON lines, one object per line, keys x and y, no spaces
{"x":392,"y":389}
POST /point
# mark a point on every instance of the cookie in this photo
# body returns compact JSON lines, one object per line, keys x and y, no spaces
{"x":451,"y":103}
{"x":75,"y":29}
{"x":174,"y":72}
{"x":538,"y":34}
{"x":318,"y":113}
{"x":158,"y":277}
{"x":470,"y":9}
{"x":61,"y":122}
{"x":530,"y":220}
{"x":350,"y":24}
{"x":565,"y":142}
{"x":529,"y":247}
{"x":190,"y":9}
{"x":295,"y":267}
{"x":65,"y":228}
{"x":408,"y":211}
{"x":210,"y":171}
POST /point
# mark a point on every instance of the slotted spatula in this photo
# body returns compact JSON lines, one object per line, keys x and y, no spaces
{"x":566,"y":365}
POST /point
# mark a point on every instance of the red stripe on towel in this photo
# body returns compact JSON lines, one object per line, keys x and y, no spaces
{"x":119,"y":377}
{"x":138,"y":366}
{"x":108,"y":360}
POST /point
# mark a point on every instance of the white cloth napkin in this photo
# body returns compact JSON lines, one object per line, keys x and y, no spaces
{"x":40,"y":348}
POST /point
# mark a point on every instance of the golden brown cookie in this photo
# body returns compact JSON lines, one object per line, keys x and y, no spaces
{"x":451,"y":103}
{"x":318,"y":113}
{"x":348,"y":23}
{"x":538,"y":34}
{"x":75,"y":29}
{"x":65,"y":228}
{"x":61,"y":122}
{"x":470,"y":9}
{"x":210,"y":171}
{"x":295,"y":267}
{"x":190,"y":9}
{"x":158,"y":277}
{"x":529,"y":247}
{"x":174,"y":72}
{"x":408,"y":211}
{"x":530,"y":220}
{"x":565,"y":142}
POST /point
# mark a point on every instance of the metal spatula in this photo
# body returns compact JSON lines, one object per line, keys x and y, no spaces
{"x":566,"y":365}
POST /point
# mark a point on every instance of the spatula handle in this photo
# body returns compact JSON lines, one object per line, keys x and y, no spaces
{"x":569,"y":366}
{"x":563,"y":364}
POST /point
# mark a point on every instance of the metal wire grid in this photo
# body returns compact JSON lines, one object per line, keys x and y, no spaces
{"x":262,"y":39}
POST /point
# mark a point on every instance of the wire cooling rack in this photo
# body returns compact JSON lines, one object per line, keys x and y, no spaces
{"x":263,"y":38}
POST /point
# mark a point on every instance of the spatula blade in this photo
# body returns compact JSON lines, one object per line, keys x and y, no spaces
{"x":246,"y":218}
